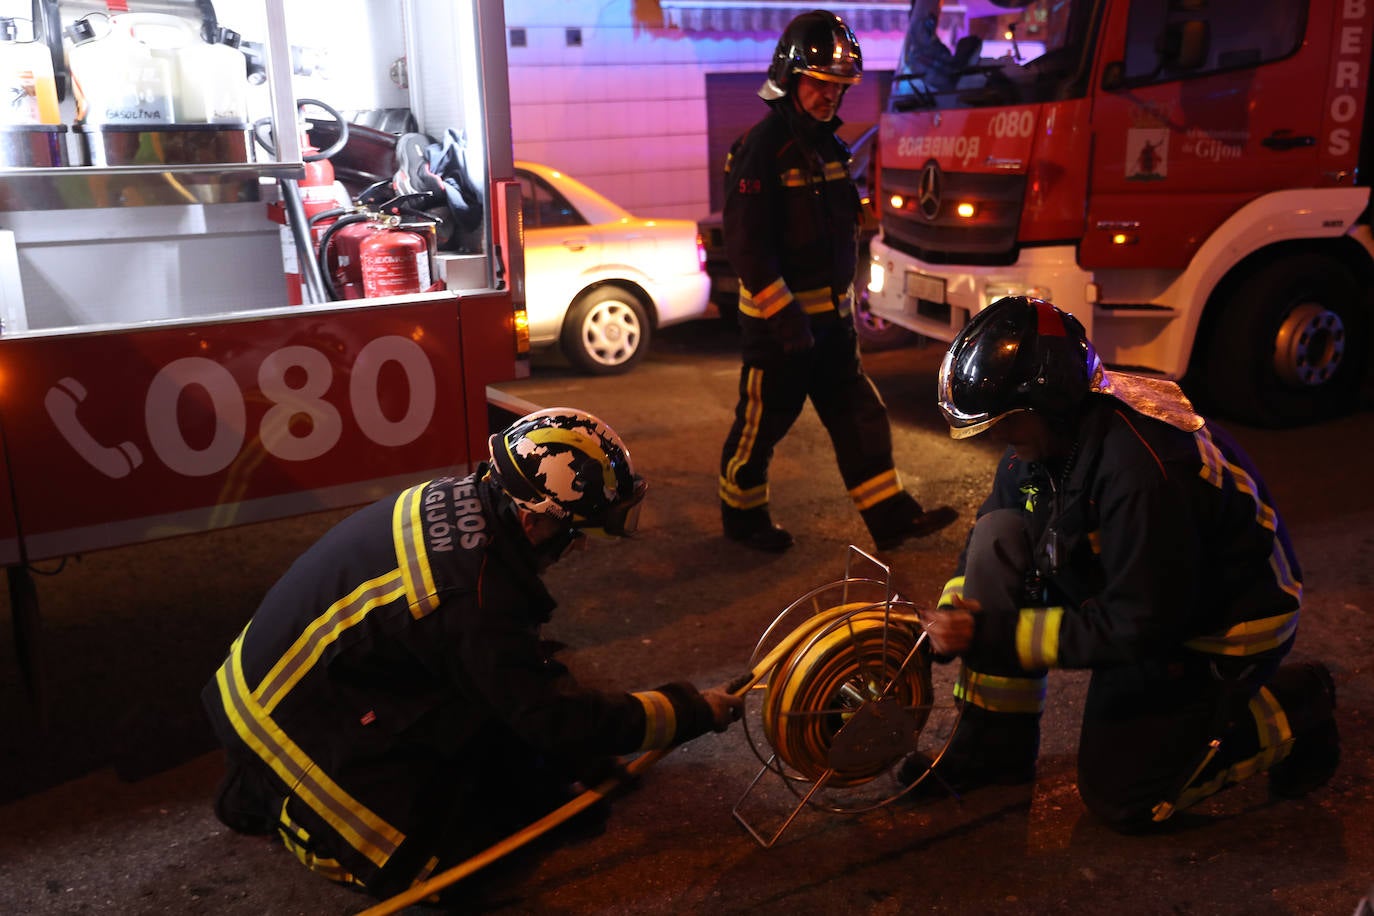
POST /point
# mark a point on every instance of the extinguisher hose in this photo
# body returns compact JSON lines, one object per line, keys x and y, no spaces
{"x":321,"y":253}
{"x":797,"y":650}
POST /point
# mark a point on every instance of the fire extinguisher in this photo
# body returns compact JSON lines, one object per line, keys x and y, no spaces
{"x":397,"y":259}
{"x":340,"y":250}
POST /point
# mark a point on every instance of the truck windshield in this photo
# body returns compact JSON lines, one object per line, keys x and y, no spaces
{"x":976,"y":53}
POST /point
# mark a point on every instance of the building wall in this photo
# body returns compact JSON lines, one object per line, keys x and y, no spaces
{"x":626,"y":111}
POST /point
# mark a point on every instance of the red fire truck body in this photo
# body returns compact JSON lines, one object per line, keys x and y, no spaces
{"x":156,"y":378}
{"x":1188,"y":179}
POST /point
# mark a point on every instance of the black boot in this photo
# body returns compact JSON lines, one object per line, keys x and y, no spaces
{"x":988,"y":749}
{"x":899,"y":519}
{"x":754,"y":528}
{"x":1307,"y":694}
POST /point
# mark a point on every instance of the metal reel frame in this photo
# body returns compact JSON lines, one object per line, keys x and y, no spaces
{"x":876,"y":731}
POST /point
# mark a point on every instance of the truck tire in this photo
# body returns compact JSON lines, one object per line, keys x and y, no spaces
{"x":1291,"y":345}
{"x":606,"y":331}
{"x":877,"y":333}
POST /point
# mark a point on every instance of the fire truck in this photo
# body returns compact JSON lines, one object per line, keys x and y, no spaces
{"x":1189,"y":178}
{"x":167,"y":365}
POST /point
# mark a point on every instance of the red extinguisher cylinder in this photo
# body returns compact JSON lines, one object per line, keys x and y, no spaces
{"x":343,"y":258}
{"x":395,"y":262}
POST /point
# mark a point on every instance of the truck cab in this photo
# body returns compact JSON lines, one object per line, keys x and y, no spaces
{"x":1184,"y":178}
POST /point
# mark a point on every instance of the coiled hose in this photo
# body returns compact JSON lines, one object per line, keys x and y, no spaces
{"x":820,"y":672}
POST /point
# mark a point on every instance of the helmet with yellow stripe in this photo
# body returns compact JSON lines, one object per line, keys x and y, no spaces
{"x":566,"y":464}
{"x":818,"y":44}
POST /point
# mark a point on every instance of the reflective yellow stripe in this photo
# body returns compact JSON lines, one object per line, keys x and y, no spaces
{"x":876,"y":489}
{"x":322,"y":632}
{"x":767,"y":302}
{"x":581,"y":440}
{"x":1037,"y":636}
{"x":737,"y":498}
{"x":816,"y":301}
{"x":366,"y":832}
{"x":753,"y":413}
{"x":660,"y":720}
{"x":1215,"y":469}
{"x":1001,"y":694}
{"x":800,"y":178}
{"x":1250,"y":637}
{"x":297,"y":839}
{"x":954,"y":588}
{"x":408,"y":532}
{"x":1275,"y":743}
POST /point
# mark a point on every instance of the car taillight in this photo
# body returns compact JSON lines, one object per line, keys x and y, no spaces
{"x":701,"y":252}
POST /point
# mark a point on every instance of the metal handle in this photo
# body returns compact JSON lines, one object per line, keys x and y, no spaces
{"x":1284,"y":140}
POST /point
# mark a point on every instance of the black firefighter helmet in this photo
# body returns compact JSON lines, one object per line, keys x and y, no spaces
{"x":817,"y":43}
{"x":1017,"y":354}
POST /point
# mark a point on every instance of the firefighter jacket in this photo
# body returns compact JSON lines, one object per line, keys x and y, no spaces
{"x":791,"y":223}
{"x":373,"y":667}
{"x":1152,"y":541}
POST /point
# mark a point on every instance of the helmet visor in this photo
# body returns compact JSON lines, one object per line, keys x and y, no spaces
{"x":848,"y":79}
{"x":963,"y":424}
{"x":622,"y":519}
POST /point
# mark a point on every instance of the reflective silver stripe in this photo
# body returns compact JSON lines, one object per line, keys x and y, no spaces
{"x":1275,"y":743}
{"x":409,"y":534}
{"x":372,"y":836}
{"x":1037,"y":636}
{"x":954,"y":588}
{"x":753,"y":414}
{"x":660,"y":720}
{"x":767,"y":302}
{"x":876,"y":489}
{"x":738,"y":498}
{"x":1249,"y":637}
{"x":1001,"y":694}
{"x":1214,"y":470}
{"x":322,"y":632}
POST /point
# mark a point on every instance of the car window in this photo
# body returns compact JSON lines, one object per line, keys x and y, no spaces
{"x":542,"y":207}
{"x":1249,"y":33}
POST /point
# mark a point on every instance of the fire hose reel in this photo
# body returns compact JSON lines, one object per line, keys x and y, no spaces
{"x":842,"y":692}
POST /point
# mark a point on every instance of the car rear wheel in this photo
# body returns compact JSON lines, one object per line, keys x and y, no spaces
{"x":606,"y":331}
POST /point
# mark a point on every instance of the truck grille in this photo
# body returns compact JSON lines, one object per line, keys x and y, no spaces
{"x":989,"y":238}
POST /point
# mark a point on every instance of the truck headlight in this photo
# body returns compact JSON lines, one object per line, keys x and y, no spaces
{"x":876,"y":277}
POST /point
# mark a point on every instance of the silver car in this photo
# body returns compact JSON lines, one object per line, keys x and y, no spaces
{"x":598,"y":280}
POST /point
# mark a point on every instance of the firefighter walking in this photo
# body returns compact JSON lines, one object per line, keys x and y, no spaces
{"x":791,"y":225}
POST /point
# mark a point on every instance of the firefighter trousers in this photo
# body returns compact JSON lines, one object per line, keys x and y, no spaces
{"x":772,"y":394}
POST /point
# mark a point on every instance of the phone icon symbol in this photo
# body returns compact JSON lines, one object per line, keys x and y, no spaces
{"x":111,"y":460}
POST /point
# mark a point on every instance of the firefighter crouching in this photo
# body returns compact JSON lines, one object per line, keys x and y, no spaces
{"x":1127,"y":535}
{"x":390,"y":709}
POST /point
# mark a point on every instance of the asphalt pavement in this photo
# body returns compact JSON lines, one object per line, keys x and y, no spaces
{"x":105,"y":806}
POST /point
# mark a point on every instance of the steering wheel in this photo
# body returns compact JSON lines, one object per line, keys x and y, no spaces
{"x":301,"y":104}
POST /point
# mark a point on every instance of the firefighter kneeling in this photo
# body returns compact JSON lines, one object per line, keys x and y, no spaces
{"x":1127,"y":535}
{"x":390,"y":710}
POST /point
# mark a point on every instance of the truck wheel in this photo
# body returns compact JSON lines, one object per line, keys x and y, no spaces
{"x":606,"y":331}
{"x":877,"y":333}
{"x":1292,"y":344}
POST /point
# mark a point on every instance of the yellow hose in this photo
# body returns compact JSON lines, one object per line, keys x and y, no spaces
{"x":812,"y":675}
